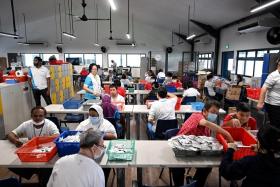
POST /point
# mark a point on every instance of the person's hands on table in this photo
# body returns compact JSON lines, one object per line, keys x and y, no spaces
{"x":232,"y":146}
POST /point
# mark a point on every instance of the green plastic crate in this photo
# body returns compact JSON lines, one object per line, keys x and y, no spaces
{"x":130,"y":90}
{"x":121,"y":150}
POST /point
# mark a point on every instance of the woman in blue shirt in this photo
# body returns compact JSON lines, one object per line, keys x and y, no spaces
{"x":92,"y":84}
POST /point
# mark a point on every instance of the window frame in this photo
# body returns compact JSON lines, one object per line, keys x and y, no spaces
{"x":83,"y":58}
{"x":205,"y":56}
{"x":140,"y":54}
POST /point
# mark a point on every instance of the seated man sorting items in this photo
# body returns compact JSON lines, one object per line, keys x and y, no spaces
{"x":115,"y":96}
{"x":200,"y":124}
{"x":81,"y":169}
{"x":163,"y":109}
{"x":37,"y":126}
{"x":96,"y":122}
{"x":241,"y":119}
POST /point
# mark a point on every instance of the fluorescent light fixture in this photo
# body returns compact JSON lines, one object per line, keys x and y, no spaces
{"x":69,"y":35}
{"x":112,"y":4}
{"x":23,"y":43}
{"x":133,"y":45}
{"x":264,"y":6}
{"x":8,"y":35}
{"x":127,"y":35}
{"x":191,"y":37}
{"x":97,"y":44}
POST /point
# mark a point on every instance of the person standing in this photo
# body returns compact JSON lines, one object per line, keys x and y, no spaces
{"x":270,"y":95}
{"x":39,"y":81}
{"x":114,"y":65}
{"x":92,"y":84}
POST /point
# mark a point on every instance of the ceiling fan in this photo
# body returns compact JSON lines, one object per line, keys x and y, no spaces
{"x":85,"y":18}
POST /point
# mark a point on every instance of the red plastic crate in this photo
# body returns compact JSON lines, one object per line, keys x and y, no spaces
{"x":25,"y":153}
{"x":253,"y":93}
{"x":239,"y":134}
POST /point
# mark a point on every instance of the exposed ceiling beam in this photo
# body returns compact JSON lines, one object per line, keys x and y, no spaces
{"x":251,"y":16}
{"x":275,"y":11}
{"x":184,"y":37}
{"x":208,"y":28}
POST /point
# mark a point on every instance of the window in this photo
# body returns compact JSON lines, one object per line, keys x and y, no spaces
{"x":274,"y":51}
{"x":132,"y":60}
{"x":28,"y":59}
{"x":205,"y":61}
{"x":230,"y":65}
{"x":258,"y":68}
{"x":249,"y":68}
{"x":240,"y":67}
{"x":87,"y":59}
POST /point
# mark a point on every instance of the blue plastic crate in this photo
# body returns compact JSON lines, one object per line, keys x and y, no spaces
{"x":171,"y":89}
{"x":72,"y":104}
{"x":197,"y":105}
{"x":67,"y":148}
{"x":10,"y":81}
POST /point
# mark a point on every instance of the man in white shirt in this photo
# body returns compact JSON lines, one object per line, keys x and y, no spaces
{"x":163,"y":109}
{"x":161,"y":74}
{"x":190,"y":91}
{"x":39,"y":81}
{"x":37,"y":126}
{"x":115,"y":97}
{"x":81,"y":170}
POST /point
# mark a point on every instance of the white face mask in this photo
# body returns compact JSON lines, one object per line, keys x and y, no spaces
{"x":98,"y":156}
{"x":39,"y":123}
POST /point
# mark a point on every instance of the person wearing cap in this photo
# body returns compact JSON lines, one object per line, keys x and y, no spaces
{"x":260,"y":170}
{"x":96,"y":121}
{"x":270,"y":95}
{"x":81,"y":169}
{"x":39,"y":81}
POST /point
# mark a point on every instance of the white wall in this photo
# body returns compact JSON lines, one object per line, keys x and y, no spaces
{"x":147,"y":37}
{"x":205,"y":47}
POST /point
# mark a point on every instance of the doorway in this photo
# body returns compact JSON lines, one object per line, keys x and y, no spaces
{"x":227,"y":63}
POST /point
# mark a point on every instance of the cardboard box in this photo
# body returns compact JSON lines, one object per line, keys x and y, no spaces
{"x":233,"y":93}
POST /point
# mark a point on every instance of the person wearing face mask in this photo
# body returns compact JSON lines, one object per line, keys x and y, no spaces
{"x":37,"y":126}
{"x":81,"y":169}
{"x":92,"y":84}
{"x":39,"y":81}
{"x":200,"y":124}
{"x":97,"y":122}
{"x":260,"y":170}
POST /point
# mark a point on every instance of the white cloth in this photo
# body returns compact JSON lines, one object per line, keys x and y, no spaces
{"x":210,"y":87}
{"x":95,"y":82}
{"x":163,"y":109}
{"x":119,"y":98}
{"x":39,"y":77}
{"x":76,"y":170}
{"x":191,"y":92}
{"x":161,"y":75}
{"x":26,"y":129}
{"x":104,"y":126}
{"x":125,"y":82}
{"x":272,"y":82}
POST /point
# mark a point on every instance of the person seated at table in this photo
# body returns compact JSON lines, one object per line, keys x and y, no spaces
{"x":239,"y":80}
{"x":200,"y":124}
{"x":115,"y":96}
{"x":260,"y":170}
{"x":163,"y":109}
{"x":168,"y":78}
{"x":150,"y":76}
{"x":121,"y":90}
{"x":175,"y":82}
{"x":161,"y":74}
{"x":36,"y":126}
{"x":241,"y":119}
{"x":189,"y":90}
{"x":84,"y":72}
{"x":125,"y":81}
{"x":210,"y":86}
{"x":81,"y":169}
{"x":111,"y":111}
{"x":153,"y":93}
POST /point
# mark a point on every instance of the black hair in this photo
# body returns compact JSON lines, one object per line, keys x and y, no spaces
{"x":162,"y":92}
{"x":169,"y":74}
{"x":117,"y":82}
{"x":174,"y":77}
{"x":160,"y":70}
{"x":52,"y":58}
{"x":123,"y":76}
{"x":210,"y":103}
{"x":113,"y":86}
{"x":210,"y":76}
{"x":269,"y":138}
{"x":91,"y":65}
{"x":38,"y":108}
{"x":38,"y":58}
{"x":155,"y":85}
{"x":243,"y":107}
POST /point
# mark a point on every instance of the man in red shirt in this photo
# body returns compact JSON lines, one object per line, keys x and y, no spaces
{"x":200,"y":124}
{"x":241,"y":119}
{"x":121,"y":90}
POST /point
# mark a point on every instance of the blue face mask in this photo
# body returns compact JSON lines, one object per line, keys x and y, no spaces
{"x":212,"y":117}
{"x":94,"y":120}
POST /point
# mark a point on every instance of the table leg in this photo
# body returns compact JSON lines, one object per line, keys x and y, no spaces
{"x":138,"y":116}
{"x":141,"y":98}
{"x":139,"y":177}
{"x":120,"y":177}
{"x":127,"y":122}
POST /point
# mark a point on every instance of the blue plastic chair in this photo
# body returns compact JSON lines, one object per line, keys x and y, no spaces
{"x":171,"y":89}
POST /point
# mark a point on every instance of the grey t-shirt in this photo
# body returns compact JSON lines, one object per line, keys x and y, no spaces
{"x":272,"y":82}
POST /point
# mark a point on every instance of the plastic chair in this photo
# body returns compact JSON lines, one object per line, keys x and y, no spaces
{"x":171,"y":133}
{"x":72,"y":118}
{"x":187,"y":100}
{"x":163,"y":126}
{"x":171,"y":89}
